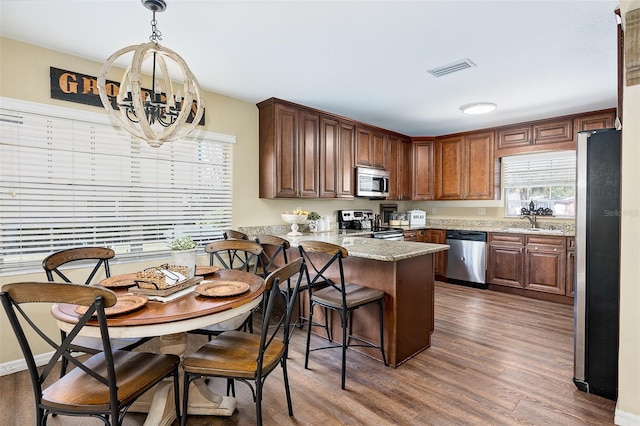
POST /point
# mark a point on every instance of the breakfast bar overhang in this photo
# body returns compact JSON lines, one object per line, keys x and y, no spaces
{"x":405,"y":272}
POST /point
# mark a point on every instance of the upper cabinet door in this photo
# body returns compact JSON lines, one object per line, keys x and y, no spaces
{"x":346,"y":162}
{"x":465,"y":167}
{"x":423,"y":169}
{"x":598,"y":120}
{"x":514,"y":137}
{"x":379,"y":159}
{"x":364,"y":146}
{"x":308,"y":146}
{"x":329,"y":156}
{"x":450,"y":168}
{"x":286,"y":152}
{"x":370,"y":148}
{"x":480,"y":166}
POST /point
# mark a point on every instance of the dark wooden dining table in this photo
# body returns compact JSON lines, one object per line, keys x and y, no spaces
{"x":170,"y":321}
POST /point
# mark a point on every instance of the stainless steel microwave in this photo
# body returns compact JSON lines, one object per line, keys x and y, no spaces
{"x":372,"y":183}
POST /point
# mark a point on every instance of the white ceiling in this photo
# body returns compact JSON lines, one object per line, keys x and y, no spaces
{"x":366,"y":60}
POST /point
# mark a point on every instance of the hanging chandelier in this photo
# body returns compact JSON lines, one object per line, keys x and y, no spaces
{"x":158,"y":115}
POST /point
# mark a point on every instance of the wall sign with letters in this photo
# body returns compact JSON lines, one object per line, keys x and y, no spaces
{"x":83,"y":89}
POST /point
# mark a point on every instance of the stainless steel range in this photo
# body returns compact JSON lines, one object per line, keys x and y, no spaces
{"x":364,"y":220}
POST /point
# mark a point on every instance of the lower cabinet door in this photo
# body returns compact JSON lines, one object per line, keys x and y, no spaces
{"x":505,"y":266}
{"x":545,"y":270}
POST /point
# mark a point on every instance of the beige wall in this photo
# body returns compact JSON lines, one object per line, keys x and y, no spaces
{"x":628,"y":406}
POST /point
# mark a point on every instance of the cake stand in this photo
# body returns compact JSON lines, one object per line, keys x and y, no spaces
{"x":294,"y":220}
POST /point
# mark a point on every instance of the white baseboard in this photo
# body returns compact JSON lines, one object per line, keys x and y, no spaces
{"x":626,"y":419}
{"x":20,"y":365}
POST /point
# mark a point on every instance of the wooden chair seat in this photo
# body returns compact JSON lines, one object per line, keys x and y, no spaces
{"x":234,"y":353}
{"x":78,"y":391}
{"x":356,"y":295}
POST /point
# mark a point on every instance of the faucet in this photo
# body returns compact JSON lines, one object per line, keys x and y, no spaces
{"x":532,"y":218}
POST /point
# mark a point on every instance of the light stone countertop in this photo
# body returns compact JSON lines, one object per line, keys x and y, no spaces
{"x":370,"y":248}
{"x":500,"y":229}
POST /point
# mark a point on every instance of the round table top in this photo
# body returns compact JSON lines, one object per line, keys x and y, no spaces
{"x":185,"y":313}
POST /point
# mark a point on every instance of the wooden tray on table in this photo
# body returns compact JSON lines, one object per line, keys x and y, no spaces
{"x":167,"y":291}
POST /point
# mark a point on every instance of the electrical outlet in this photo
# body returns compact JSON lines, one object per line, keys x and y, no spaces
{"x":433,"y":210}
{"x":481,"y":211}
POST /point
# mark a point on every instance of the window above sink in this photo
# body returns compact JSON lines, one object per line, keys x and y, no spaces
{"x":547,"y":179}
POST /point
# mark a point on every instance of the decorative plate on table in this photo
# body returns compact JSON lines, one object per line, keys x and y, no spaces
{"x":221,"y":288}
{"x":125,"y":303}
{"x":206,"y":270}
{"x":120,"y":281}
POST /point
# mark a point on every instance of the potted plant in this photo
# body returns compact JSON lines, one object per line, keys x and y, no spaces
{"x":313,"y":219}
{"x":183,"y":252}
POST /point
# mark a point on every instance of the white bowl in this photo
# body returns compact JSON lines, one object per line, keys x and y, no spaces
{"x":294,"y":218}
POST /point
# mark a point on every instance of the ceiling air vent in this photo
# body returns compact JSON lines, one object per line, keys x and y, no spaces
{"x":451,"y":68}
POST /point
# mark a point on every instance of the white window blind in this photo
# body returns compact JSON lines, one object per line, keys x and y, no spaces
{"x":547,"y":179}
{"x":68,"y":182}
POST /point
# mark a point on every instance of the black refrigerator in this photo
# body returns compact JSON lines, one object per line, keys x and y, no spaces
{"x":597,"y":279}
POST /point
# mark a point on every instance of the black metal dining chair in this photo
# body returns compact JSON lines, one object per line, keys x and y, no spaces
{"x":247,"y":357}
{"x":103,"y":385}
{"x":336,"y":294}
{"x":79,"y":257}
{"x":274,"y":255}
{"x":243,"y":255}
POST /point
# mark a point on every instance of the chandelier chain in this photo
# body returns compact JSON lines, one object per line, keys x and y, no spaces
{"x":155,"y":32}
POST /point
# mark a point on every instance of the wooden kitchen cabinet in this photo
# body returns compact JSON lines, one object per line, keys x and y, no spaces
{"x":411,"y":235}
{"x":545,"y":258}
{"x":336,"y":161}
{"x":422,"y":187}
{"x":505,"y":260}
{"x":304,"y":153}
{"x":597,"y":120}
{"x":544,"y":135}
{"x":346,"y":160}
{"x":529,"y":265}
{"x":571,"y":267}
{"x":550,"y":135}
{"x":438,"y":236}
{"x":399,"y":167}
{"x":370,"y":148}
{"x":465,"y":167}
{"x":289,"y":149}
{"x":329,"y":160}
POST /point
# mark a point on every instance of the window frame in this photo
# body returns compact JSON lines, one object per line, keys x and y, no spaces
{"x":562,"y":178}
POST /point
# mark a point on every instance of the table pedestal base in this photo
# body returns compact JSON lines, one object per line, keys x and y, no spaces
{"x":202,"y":400}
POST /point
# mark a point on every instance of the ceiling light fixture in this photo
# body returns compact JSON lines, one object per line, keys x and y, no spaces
{"x":478,"y":108}
{"x":159,"y":115}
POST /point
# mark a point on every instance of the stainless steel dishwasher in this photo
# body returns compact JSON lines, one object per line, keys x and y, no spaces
{"x":467,"y":258}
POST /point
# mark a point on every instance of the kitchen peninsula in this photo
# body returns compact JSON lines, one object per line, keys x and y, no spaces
{"x":404,"y":271}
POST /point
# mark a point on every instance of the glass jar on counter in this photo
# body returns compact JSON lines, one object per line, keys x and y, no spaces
{"x":394,"y":219}
{"x":403,"y":217}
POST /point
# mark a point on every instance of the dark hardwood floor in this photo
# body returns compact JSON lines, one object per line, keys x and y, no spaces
{"x":495,"y":359}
